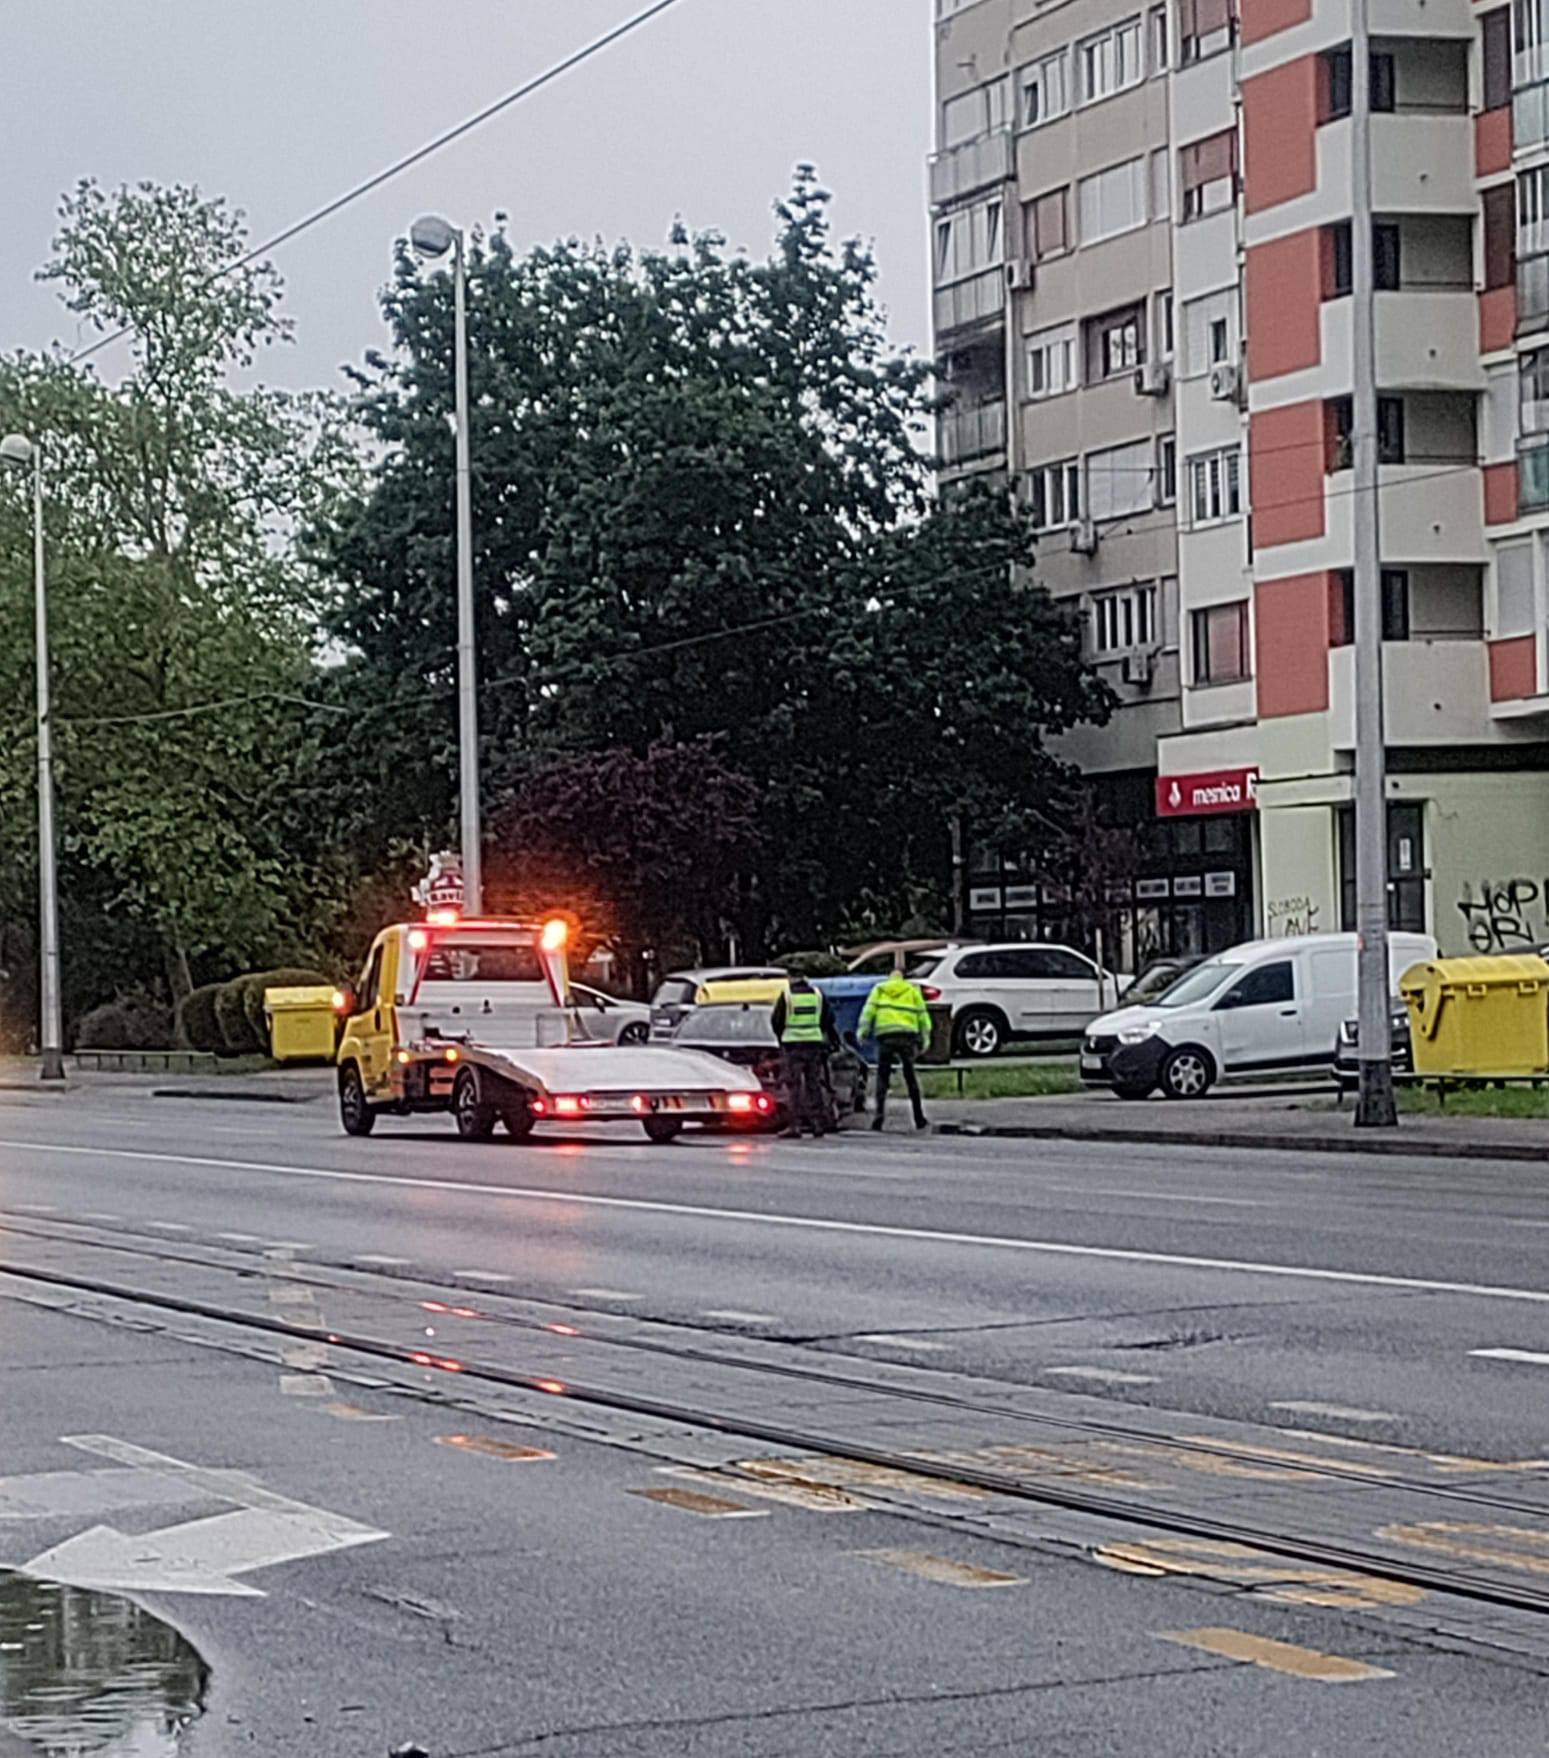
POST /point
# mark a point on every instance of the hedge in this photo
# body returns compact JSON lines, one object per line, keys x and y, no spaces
{"x":197,"y":1026}
{"x":236,"y":1035}
{"x":132,"y":1022}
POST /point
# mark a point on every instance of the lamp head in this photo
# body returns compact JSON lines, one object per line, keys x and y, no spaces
{"x":16,"y":448}
{"x":432,"y":236}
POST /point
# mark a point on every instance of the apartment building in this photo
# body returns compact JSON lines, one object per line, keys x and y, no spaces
{"x":1142,"y":246}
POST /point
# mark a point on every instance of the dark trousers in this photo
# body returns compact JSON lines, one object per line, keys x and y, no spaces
{"x":805,"y":1097}
{"x":896,"y":1049}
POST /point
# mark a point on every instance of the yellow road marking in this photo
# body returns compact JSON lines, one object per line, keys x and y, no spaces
{"x":1277,"y":1657}
{"x":858,"y":1474}
{"x":814,"y":1498}
{"x":1043,"y":1461}
{"x":491,"y":1448}
{"x":1257,"y":1570}
{"x":940,"y":1569}
{"x":693,"y":1501}
{"x":1478,"y":1542}
{"x":354,"y":1413}
{"x":1286,"y":1454}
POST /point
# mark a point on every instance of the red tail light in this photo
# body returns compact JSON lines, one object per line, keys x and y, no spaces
{"x":538,"y":1107}
{"x":763,"y":1102}
{"x":568,"y":1105}
{"x":639,"y":1103}
{"x":741,"y":1101}
{"x":930,"y":991}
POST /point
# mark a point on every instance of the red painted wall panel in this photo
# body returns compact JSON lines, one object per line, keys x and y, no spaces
{"x":1285,"y":303}
{"x":1500,"y":493}
{"x":1280,"y":131}
{"x":1513,"y":669}
{"x":1492,"y":141}
{"x":1291,"y":620}
{"x":1497,"y":319}
{"x":1262,"y":18}
{"x":1285,"y":469}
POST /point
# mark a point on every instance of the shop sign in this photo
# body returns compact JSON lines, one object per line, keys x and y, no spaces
{"x":1021,"y":897}
{"x":1212,"y":791}
{"x":984,"y":897}
{"x":1184,"y":886}
{"x":1149,"y":889}
{"x":1220,"y":885}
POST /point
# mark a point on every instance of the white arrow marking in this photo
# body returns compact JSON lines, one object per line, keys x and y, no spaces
{"x":199,"y":1556}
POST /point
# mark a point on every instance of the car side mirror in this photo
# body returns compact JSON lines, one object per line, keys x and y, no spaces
{"x":1232,"y":999}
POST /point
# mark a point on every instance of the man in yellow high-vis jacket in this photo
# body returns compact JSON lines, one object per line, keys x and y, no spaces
{"x":895,"y":1015}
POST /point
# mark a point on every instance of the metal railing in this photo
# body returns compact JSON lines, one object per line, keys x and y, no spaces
{"x":971,"y":431}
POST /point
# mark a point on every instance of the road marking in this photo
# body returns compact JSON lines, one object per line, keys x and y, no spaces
{"x":1108,"y":1375}
{"x":305,"y":1385}
{"x":1251,"y":1450}
{"x":812,"y":1498}
{"x":693,"y":1501}
{"x":1277,"y":1657}
{"x":1478,"y":1542}
{"x":1533,"y":1356}
{"x":489,"y":1447}
{"x":732,"y":1316}
{"x":169,"y":1226}
{"x":35,"y":1208}
{"x":1264,"y":1574}
{"x":290,"y":1245}
{"x":809,"y":1223}
{"x":940,"y":1569}
{"x":354,"y":1413}
{"x":198,"y":1556}
{"x":240,"y":1238}
{"x":1159,"y":1196}
{"x":862,"y":1474}
{"x":483,"y":1275}
{"x":893,"y":1341}
{"x":101,"y":1215}
{"x":378,"y":1257}
{"x":1338,"y":1412}
{"x":605,"y":1294}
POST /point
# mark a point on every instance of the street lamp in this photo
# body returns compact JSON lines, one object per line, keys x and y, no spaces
{"x":17,"y":449}
{"x":433,"y":237}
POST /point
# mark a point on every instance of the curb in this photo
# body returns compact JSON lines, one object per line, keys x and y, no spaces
{"x":1394,"y":1145}
{"x":240,"y":1098}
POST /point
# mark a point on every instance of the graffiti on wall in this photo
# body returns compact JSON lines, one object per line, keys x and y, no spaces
{"x":1506,"y":915}
{"x":1289,"y":917}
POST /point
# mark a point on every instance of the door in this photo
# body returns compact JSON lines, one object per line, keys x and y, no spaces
{"x":1260,"y":1018}
{"x":373,"y":1026}
{"x":1072,"y":995}
{"x":593,"y":1010}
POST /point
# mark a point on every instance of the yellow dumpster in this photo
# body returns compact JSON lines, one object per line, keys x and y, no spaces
{"x":1479,"y":1016}
{"x":301,"y":1023}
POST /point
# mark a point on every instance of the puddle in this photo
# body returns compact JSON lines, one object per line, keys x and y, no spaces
{"x":91,"y":1675}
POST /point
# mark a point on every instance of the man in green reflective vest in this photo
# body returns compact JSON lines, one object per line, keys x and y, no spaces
{"x":804,"y":1023}
{"x":895,"y":1015}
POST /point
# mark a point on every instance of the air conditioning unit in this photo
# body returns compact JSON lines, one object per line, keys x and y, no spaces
{"x":1225,"y":383}
{"x":1021,"y":275}
{"x":1139,"y":667}
{"x":1083,"y":537}
{"x":1152,"y":379}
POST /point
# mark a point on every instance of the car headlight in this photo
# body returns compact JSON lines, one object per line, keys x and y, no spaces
{"x":1137,"y":1034}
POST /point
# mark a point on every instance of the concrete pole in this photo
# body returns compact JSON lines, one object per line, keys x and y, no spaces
{"x":467,"y":661}
{"x":51,"y":1036}
{"x":1375,"y":1106}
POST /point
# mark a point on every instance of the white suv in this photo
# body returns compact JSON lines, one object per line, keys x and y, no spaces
{"x":999,"y":993}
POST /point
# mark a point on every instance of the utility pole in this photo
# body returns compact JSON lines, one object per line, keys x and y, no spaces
{"x":1375,"y":1106}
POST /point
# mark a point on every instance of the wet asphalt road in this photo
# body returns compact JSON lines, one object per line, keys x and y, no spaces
{"x":539,"y":1605}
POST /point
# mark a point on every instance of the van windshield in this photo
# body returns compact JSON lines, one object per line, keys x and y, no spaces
{"x":1197,"y":984}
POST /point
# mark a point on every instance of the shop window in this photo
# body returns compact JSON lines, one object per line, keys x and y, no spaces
{"x":1407,"y":871}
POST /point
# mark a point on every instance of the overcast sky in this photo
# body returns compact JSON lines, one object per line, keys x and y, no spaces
{"x":282,"y":104}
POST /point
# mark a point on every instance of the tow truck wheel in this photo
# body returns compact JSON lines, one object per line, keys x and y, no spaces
{"x":518,"y":1119}
{"x":355,"y":1112}
{"x":662,"y":1129}
{"x":474,"y":1113}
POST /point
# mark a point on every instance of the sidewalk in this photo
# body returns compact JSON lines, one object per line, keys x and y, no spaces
{"x":1261,"y":1119}
{"x":285,"y":1086}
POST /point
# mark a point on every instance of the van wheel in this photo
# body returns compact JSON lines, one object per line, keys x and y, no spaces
{"x":355,"y":1112}
{"x":518,"y":1119}
{"x":1187,"y":1074}
{"x":980,"y":1032}
{"x":474,"y":1113}
{"x":661,"y":1129}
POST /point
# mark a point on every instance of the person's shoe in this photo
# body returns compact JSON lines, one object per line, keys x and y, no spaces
{"x":921,"y":1123}
{"x":876,"y":1122}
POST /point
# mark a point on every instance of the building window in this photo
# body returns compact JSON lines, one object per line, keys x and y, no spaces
{"x":1048,"y":224}
{"x":969,"y":240}
{"x":1337,"y":95}
{"x":1215,"y":486}
{"x":1339,"y":261}
{"x":1162,"y":325}
{"x":1161,"y":184}
{"x":1119,"y":481}
{"x":1532,"y":211}
{"x":1055,"y":494}
{"x":1530,"y":33}
{"x":1112,"y":201}
{"x":1124,"y":620}
{"x":1167,"y":470}
{"x":1204,"y":28}
{"x":1395,"y":607}
{"x":1386,"y":267}
{"x":1115,"y":343}
{"x":1051,"y":361}
{"x":1533,"y":399}
{"x":1221,"y":644}
{"x":1111,"y":61}
{"x":971,"y":114}
{"x":1209,"y":332}
{"x":1207,"y":173}
{"x":1161,"y":49}
{"x":1341,"y":424}
{"x":1500,"y":241}
{"x":1045,"y":89}
{"x":1495,"y":40}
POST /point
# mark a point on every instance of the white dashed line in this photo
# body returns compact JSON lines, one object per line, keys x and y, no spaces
{"x":1535,"y":1357}
{"x":895,"y":1342}
{"x":377,"y":1257}
{"x":731,"y":1314}
{"x":605,"y":1294}
{"x":1108,"y":1375}
{"x":483,"y":1276}
{"x":240,"y":1238}
{"x":101,"y":1215}
{"x":35,"y":1208}
{"x":1339,"y":1412}
{"x":169,"y":1226}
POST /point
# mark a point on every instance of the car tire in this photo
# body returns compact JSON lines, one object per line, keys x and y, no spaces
{"x":355,"y":1112}
{"x":1188,"y":1073}
{"x":518,"y":1119}
{"x":636,"y":1032}
{"x":1132,"y":1089}
{"x":661,"y":1129}
{"x":476,"y":1115}
{"x":978,"y":1033}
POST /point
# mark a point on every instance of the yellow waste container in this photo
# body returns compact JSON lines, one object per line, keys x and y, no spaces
{"x":1479,"y":1016}
{"x":301,"y":1023}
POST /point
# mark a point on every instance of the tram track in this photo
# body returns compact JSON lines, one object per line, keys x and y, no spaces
{"x":403,"y":1303}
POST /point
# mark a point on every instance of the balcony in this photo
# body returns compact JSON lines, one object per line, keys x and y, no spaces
{"x":974,"y":303}
{"x":1422,"y":162}
{"x":1533,"y":476}
{"x":1432,"y":512}
{"x":1434,"y":693}
{"x":980,"y":163}
{"x":972,"y":433}
{"x":1429,"y":340}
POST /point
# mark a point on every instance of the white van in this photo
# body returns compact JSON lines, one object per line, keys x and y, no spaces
{"x":1268,"y":1007}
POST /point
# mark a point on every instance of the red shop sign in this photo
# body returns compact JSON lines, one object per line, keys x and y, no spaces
{"x":1216,"y":790}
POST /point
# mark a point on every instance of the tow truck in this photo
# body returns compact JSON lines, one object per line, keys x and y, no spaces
{"x":476,"y":1017}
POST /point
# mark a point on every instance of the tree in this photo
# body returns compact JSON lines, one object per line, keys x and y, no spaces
{"x":174,"y":502}
{"x":701,"y":510}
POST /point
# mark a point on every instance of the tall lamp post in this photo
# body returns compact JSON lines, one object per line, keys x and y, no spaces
{"x":433,"y":237}
{"x":17,"y":449}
